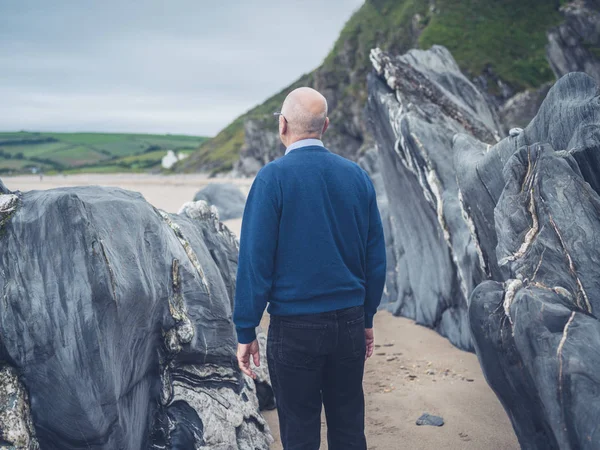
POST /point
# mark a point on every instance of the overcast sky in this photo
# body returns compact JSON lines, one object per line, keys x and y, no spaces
{"x":178,"y":66}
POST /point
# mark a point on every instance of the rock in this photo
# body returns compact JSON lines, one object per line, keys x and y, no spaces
{"x":370,"y":163}
{"x":537,"y":217}
{"x":227,"y":198}
{"x":3,"y":189}
{"x":117,"y":319}
{"x":16,"y":428}
{"x":568,"y":119}
{"x":264,"y":389}
{"x":573,"y":45}
{"x":518,"y":110}
{"x":261,"y":145}
{"x":428,"y":419}
{"x":416,"y":105}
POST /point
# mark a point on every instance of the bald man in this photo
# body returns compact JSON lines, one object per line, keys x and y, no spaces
{"x":311,"y":247}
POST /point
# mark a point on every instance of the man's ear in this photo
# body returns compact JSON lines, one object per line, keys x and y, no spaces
{"x":326,"y":125}
{"x":282,"y":125}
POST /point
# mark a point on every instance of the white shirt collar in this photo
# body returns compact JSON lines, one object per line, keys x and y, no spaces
{"x":304,"y":143}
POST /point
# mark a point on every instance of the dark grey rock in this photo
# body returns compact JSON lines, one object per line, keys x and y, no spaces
{"x":227,"y":198}
{"x":568,"y":119}
{"x":571,"y":45}
{"x":3,"y":189}
{"x":536,"y":334}
{"x":370,"y":163}
{"x":536,"y":213}
{"x":117,"y":318}
{"x":428,"y":419}
{"x":416,"y":105}
{"x":264,"y":389}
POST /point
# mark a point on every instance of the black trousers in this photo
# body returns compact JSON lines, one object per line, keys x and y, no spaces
{"x":314,"y":361}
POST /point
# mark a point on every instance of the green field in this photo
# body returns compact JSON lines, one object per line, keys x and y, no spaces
{"x":22,"y":152}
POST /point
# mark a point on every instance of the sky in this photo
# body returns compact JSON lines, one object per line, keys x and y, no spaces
{"x":170,"y":66}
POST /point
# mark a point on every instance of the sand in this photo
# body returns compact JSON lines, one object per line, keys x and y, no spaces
{"x":167,"y":192}
{"x":414,"y":370}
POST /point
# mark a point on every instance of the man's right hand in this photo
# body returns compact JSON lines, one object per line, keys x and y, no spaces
{"x":370,"y":338}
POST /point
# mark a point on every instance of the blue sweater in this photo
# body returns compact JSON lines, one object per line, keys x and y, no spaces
{"x":311,"y":241}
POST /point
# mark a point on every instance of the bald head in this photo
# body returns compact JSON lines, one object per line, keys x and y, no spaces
{"x":305,"y":112}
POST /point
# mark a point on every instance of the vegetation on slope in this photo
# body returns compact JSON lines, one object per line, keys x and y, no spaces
{"x":508,"y":37}
{"x":88,"y":152}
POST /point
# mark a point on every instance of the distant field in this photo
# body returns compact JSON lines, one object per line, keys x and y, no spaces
{"x":88,"y":152}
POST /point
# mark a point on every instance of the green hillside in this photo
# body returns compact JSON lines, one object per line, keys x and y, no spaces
{"x":499,"y":40}
{"x":88,"y":152}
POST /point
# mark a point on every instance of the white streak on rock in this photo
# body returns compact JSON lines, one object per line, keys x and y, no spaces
{"x":559,"y":350}
{"x":510,"y":290}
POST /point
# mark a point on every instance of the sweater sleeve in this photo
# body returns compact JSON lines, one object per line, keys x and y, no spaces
{"x":376,"y":262}
{"x":258,"y":243}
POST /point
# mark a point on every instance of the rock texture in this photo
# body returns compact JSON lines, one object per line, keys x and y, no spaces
{"x":573,"y":45}
{"x":370,"y":162}
{"x":538,"y":220}
{"x":117,"y":319}
{"x":508,"y":228}
{"x":226,"y":197}
{"x":416,"y":105}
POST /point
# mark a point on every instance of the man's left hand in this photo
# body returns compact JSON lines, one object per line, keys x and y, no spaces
{"x":244,"y":352}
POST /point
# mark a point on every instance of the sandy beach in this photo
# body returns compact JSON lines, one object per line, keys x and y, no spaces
{"x":414,"y":370}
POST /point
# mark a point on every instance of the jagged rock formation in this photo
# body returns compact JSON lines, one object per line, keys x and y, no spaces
{"x":512,"y":227}
{"x":573,"y":45}
{"x":117,"y":319}
{"x":416,"y":106}
{"x":537,"y":218}
{"x":226,"y":197}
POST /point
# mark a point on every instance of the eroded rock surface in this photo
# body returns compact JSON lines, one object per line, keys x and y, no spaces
{"x":536,"y":211}
{"x":117,"y":318}
{"x":416,"y":105}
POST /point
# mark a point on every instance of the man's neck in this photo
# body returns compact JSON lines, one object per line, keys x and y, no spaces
{"x":301,"y":138}
{"x":302,"y":143}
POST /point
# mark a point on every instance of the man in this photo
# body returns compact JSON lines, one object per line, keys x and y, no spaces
{"x":312,"y":247}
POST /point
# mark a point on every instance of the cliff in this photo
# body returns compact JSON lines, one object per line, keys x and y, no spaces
{"x":500,"y":46}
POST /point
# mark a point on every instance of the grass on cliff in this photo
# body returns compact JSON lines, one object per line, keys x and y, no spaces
{"x":507,"y":37}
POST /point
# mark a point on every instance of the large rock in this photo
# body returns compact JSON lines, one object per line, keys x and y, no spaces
{"x":117,"y":319}
{"x":536,"y":214}
{"x":416,"y":105}
{"x":226,"y":197}
{"x":573,"y":45}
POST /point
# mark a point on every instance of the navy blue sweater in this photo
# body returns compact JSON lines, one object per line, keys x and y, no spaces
{"x":311,"y":241}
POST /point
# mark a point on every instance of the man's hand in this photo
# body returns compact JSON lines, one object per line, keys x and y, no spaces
{"x":370,"y":338}
{"x":243,"y":355}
